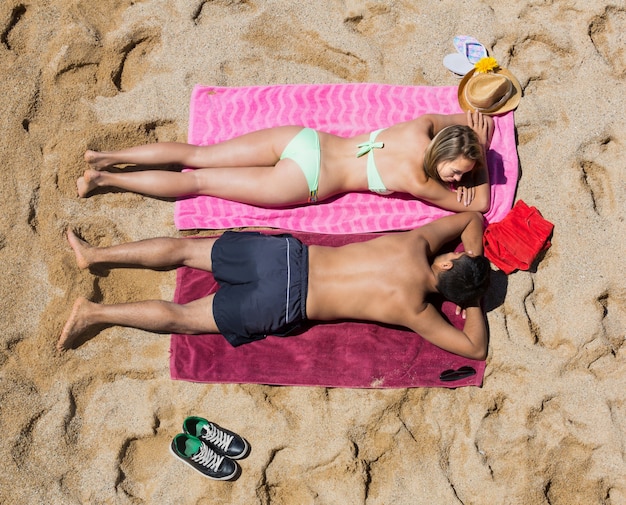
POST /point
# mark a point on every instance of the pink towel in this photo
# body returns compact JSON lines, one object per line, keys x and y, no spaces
{"x":342,"y":354}
{"x":219,"y":113}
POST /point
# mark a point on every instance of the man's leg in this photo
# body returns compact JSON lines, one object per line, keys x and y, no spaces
{"x":153,"y":315}
{"x":151,"y":253}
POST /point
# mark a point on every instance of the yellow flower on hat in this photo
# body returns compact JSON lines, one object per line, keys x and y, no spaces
{"x":486,"y":64}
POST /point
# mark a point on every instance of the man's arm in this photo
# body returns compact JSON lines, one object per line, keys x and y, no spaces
{"x":470,"y":342}
{"x":468,"y":226}
{"x":472,"y":235}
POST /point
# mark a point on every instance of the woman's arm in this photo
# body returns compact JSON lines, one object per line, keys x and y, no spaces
{"x":483,"y":126}
{"x":473,"y":192}
{"x":434,"y":192}
{"x":432,"y":124}
{"x":427,"y":126}
{"x":438,"y":122}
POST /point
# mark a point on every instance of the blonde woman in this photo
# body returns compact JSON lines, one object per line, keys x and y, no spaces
{"x":439,"y":159}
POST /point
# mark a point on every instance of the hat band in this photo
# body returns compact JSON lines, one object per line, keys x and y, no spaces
{"x":496,"y":105}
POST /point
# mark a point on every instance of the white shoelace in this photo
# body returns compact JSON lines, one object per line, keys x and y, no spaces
{"x":208,"y":458}
{"x":217,"y":437}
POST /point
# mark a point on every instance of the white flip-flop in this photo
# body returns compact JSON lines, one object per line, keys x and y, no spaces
{"x":457,"y":63}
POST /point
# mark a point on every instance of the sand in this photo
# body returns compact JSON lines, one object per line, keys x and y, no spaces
{"x":93,"y":425}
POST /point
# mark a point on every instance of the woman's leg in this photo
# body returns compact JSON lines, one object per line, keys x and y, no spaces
{"x":151,"y":253}
{"x":153,"y":315}
{"x":260,"y":148}
{"x":246,"y":169}
{"x":279,"y":185}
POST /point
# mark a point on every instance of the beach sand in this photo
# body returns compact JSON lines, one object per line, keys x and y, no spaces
{"x":93,"y":425}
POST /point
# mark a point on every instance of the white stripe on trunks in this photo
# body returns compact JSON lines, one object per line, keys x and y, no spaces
{"x":288,"y":282}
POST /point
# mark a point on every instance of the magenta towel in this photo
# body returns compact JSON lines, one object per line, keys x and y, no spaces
{"x":341,"y":354}
{"x":220,"y":113}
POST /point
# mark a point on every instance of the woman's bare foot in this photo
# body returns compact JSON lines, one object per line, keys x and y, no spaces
{"x":76,"y":325}
{"x":81,"y":250}
{"x":87,"y":183}
{"x":97,"y":160}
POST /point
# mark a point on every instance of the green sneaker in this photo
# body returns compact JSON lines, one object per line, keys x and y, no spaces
{"x":223,"y":441}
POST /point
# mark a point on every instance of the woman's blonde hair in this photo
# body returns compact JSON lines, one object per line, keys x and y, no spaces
{"x":450,"y":143}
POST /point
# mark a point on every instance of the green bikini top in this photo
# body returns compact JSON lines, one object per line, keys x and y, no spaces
{"x":374,"y":181}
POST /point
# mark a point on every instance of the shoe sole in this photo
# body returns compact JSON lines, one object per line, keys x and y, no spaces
{"x":200,"y":472}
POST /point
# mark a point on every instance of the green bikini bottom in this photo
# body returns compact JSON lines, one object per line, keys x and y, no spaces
{"x":304,"y":149}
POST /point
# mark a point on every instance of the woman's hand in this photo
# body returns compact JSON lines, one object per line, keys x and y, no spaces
{"x":465,"y":189}
{"x":465,"y":194}
{"x":482,"y":125}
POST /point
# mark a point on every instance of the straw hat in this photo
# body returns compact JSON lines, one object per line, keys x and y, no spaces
{"x":494,"y":91}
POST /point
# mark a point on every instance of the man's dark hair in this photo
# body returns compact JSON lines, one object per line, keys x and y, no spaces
{"x":467,"y":281}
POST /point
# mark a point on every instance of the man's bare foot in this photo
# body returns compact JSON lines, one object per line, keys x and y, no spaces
{"x":96,"y":160}
{"x":87,"y":183}
{"x":76,"y":325}
{"x":81,"y":249}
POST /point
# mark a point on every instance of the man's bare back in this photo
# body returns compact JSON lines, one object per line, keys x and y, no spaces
{"x":355,"y":282}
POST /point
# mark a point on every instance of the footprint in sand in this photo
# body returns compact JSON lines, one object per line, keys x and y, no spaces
{"x":612,"y":304}
{"x":541,"y":57}
{"x":10,"y":36}
{"x":608,"y":34}
{"x":208,"y":10}
{"x":296,"y":42}
{"x":125,"y":59}
{"x":133,"y":58}
{"x":601,"y":176}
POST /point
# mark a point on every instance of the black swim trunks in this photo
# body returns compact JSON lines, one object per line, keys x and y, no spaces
{"x":263,"y":283}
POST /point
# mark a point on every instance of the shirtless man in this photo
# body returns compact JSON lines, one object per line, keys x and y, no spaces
{"x":269,"y":286}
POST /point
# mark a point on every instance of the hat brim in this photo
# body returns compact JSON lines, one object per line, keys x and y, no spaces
{"x":509,"y":105}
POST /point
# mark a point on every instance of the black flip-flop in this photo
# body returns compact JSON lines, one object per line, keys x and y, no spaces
{"x":455,"y":375}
